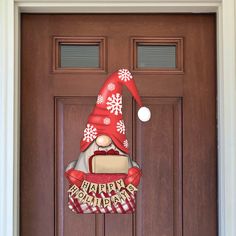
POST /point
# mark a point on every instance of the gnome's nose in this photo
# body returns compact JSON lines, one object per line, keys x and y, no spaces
{"x":103,"y":141}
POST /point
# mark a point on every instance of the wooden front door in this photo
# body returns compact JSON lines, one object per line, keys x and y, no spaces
{"x":176,"y":149}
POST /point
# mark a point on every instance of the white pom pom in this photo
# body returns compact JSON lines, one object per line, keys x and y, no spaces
{"x":144,"y":114}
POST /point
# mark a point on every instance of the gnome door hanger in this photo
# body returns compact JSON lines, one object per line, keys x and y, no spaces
{"x":104,"y":179}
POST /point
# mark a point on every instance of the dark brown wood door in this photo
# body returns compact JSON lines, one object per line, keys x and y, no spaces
{"x":176,"y":149}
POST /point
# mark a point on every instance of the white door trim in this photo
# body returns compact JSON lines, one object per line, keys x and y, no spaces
{"x":10,"y":91}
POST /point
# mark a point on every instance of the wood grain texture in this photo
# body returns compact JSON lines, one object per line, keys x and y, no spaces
{"x":70,"y":120}
{"x":199,"y":131}
{"x":159,"y":152}
{"x":176,"y":149}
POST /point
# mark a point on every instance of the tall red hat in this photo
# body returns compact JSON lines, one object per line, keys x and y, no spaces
{"x":106,"y":117}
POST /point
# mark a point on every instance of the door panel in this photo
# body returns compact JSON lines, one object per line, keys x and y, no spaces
{"x":176,"y":149}
{"x":71,"y":116}
{"x":159,"y":153}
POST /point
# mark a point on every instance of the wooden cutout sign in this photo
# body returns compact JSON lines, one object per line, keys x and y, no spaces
{"x":104,"y":179}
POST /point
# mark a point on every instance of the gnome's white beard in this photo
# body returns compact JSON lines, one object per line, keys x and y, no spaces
{"x":82,"y":163}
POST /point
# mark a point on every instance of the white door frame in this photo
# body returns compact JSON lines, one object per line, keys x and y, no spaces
{"x":10,"y":92}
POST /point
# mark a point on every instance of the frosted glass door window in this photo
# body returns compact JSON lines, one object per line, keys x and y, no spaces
{"x":79,"y":56}
{"x":156,"y":56}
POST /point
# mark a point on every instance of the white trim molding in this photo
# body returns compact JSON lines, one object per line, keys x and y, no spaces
{"x":10,"y":89}
{"x":117,"y":6}
{"x":9,"y":201}
{"x":226,"y":100}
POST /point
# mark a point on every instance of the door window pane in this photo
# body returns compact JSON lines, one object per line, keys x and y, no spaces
{"x":156,"y":56}
{"x":79,"y":56}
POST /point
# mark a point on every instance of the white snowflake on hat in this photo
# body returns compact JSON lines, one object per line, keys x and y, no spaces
{"x":100,"y":99}
{"x":114,"y":104}
{"x":124,"y":75}
{"x":120,"y":127}
{"x":125,"y":143}
{"x":111,"y":86}
{"x":90,"y":133}
{"x":107,"y":113}
{"x":107,"y":121}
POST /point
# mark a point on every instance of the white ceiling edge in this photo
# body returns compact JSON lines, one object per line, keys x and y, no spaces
{"x":121,"y":1}
{"x":115,"y":6}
